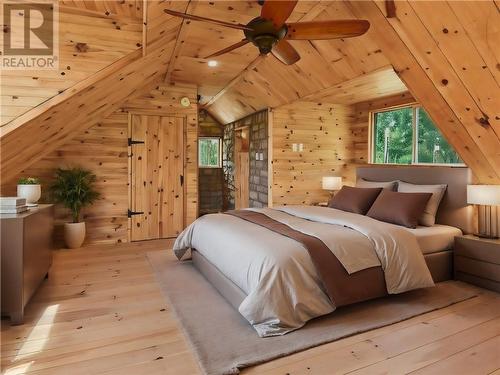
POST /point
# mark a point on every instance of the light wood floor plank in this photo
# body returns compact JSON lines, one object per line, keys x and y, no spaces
{"x":483,"y":358}
{"x":436,"y":351}
{"x":102,"y":312}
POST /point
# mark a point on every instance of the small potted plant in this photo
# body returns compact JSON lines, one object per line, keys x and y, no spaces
{"x":74,"y":189}
{"x":30,"y":189}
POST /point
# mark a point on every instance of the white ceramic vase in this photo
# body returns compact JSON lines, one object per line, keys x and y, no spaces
{"x":31,"y":193}
{"x":74,"y":234}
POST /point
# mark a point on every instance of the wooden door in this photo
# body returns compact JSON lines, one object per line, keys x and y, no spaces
{"x":157,"y":177}
{"x":241,"y":169}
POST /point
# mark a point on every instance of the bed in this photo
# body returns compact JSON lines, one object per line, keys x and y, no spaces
{"x":293,"y":297}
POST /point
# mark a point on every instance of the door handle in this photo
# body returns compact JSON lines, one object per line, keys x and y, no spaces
{"x":132,"y":213}
{"x":182,"y":179}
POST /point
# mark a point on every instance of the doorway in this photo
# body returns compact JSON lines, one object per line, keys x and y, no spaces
{"x":241,"y":167}
{"x":156,"y":176}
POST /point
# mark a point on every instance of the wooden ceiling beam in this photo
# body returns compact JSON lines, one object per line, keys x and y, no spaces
{"x":144,"y":27}
{"x":179,"y":42}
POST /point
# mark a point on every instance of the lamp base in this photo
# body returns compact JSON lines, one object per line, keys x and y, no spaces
{"x":487,"y":236}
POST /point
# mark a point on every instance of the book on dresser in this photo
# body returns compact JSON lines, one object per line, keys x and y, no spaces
{"x":12,"y":205}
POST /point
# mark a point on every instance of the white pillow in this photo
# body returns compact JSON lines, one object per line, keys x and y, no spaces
{"x":389,"y":185}
{"x":428,"y":218}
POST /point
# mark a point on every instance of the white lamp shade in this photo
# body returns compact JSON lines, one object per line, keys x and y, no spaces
{"x":488,"y":195}
{"x":331,"y":183}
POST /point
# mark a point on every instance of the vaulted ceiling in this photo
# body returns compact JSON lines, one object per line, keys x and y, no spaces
{"x":243,"y":82}
{"x":445,"y":53}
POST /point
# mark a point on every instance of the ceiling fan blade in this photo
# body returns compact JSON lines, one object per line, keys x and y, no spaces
{"x":335,"y":29}
{"x":209,"y":20}
{"x":285,"y":52}
{"x":229,"y":49}
{"x":277,"y":11}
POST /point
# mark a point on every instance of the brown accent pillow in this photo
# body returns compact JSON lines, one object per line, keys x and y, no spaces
{"x":399,"y":208}
{"x":354,"y":199}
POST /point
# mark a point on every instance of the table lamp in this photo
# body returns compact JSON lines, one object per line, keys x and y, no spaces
{"x":331,"y":183}
{"x":487,"y":197}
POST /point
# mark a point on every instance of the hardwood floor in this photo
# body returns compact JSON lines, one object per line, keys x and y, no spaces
{"x":102,"y":312}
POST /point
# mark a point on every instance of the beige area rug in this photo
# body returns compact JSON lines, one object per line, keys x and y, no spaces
{"x":224,"y":342}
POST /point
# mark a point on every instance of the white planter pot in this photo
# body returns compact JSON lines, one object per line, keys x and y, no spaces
{"x":31,"y":193}
{"x":74,"y":234}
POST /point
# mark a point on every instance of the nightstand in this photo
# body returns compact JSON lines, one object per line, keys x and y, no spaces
{"x":477,"y":261}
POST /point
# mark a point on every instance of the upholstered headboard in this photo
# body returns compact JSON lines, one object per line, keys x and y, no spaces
{"x":454,"y":209}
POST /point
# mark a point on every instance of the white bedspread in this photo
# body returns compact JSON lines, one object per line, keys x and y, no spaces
{"x":283,"y":288}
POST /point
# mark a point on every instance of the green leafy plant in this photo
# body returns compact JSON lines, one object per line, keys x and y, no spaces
{"x":28,"y":181}
{"x":74,"y":188}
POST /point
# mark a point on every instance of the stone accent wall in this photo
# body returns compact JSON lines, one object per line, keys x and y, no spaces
{"x":210,"y":179}
{"x":228,"y":167}
{"x":258,"y":129}
{"x":258,"y":168}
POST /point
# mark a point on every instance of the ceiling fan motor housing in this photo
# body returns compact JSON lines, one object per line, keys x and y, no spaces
{"x":264,"y":35}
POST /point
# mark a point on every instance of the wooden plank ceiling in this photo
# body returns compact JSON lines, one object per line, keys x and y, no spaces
{"x":446,"y":53}
{"x":89,"y":41}
{"x":239,"y":90}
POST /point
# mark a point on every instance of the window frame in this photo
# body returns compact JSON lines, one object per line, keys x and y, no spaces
{"x":219,"y":161}
{"x":414,"y":150}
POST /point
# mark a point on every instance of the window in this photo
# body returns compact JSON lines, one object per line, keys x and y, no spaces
{"x":210,"y":152}
{"x":407,"y":135}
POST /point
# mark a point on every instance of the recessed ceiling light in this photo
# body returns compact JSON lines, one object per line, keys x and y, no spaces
{"x":212,"y":63}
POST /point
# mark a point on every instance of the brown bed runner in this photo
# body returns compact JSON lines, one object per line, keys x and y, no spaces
{"x":342,"y":288}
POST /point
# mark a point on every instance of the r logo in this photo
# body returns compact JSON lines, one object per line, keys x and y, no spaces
{"x":29,"y":29}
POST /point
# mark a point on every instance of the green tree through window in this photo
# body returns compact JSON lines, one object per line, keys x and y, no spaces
{"x":209,"y":152}
{"x":432,"y":147}
{"x":408,"y":136}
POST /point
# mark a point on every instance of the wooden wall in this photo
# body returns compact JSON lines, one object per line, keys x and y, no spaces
{"x":103,"y":149}
{"x":329,"y":149}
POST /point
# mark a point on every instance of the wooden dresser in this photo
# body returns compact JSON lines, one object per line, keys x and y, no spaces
{"x":477,"y":261}
{"x":26,"y":256}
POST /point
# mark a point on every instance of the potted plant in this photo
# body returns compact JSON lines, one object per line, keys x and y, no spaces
{"x":30,"y":189}
{"x":74,"y":189}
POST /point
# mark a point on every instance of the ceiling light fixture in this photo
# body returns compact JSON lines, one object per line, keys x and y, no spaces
{"x":212,"y":63}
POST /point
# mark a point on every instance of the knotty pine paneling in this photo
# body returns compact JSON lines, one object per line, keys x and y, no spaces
{"x":325,"y":131}
{"x":103,"y":149}
{"x":450,"y":84}
{"x":104,"y":36}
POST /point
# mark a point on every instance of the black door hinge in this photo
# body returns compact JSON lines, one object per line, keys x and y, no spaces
{"x":132,"y":213}
{"x":182,"y":180}
{"x":132,"y":142}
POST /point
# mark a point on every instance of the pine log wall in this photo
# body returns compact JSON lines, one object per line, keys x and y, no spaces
{"x":328,"y":149}
{"x":103,"y":149}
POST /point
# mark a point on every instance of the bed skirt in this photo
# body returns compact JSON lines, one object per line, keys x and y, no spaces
{"x":440,"y":265}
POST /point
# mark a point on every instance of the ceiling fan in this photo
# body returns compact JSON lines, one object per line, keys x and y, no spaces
{"x":270,"y":32}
